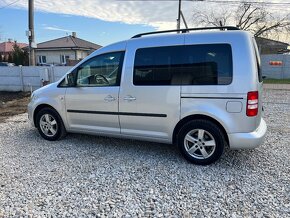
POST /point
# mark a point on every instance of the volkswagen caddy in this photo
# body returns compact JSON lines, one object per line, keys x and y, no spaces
{"x":198,"y":88}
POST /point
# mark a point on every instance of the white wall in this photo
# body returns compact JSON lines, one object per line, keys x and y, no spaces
{"x":82,"y":54}
{"x":25,"y":78}
{"x":53,"y":57}
{"x":276,"y":72}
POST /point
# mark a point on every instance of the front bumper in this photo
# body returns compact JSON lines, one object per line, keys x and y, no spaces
{"x":248,"y":140}
{"x":30,"y":113}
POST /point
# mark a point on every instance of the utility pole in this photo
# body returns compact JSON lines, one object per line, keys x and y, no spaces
{"x":179,"y":13}
{"x":31,"y":32}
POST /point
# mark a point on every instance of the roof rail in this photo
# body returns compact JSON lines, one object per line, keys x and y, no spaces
{"x":187,"y":30}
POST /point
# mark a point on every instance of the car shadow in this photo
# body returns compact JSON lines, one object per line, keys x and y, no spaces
{"x":102,"y":147}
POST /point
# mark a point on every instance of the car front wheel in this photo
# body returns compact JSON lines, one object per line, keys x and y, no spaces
{"x":49,"y":124}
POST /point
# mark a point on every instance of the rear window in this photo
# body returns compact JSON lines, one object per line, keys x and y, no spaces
{"x":184,"y":65}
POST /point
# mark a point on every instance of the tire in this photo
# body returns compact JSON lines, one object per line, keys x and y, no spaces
{"x":50,"y":125}
{"x":201,"y":142}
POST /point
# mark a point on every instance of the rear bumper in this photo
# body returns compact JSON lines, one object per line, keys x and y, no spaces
{"x":248,"y":140}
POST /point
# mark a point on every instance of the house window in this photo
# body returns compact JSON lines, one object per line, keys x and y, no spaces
{"x":63,"y":59}
{"x":42,"y":59}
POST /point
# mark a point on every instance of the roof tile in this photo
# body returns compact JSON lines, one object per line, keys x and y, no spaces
{"x":8,"y":46}
{"x":68,"y":42}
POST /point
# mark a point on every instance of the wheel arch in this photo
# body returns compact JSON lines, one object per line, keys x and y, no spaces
{"x":189,"y":118}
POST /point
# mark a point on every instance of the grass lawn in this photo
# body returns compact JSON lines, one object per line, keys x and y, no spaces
{"x":277,"y":81}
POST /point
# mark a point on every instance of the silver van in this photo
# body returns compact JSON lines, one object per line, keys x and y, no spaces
{"x":199,"y":88}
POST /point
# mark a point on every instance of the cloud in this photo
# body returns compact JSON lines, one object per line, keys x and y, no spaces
{"x":56,"y":29}
{"x":158,"y":14}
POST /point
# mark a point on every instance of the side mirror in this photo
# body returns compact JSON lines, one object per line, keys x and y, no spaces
{"x":66,"y":79}
{"x":264,"y":77}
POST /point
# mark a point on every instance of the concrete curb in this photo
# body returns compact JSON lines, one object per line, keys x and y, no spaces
{"x":277,"y":86}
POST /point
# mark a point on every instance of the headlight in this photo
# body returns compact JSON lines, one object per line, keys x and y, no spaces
{"x":33,"y":97}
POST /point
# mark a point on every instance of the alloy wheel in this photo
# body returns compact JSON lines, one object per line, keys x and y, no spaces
{"x":48,"y":125}
{"x":199,"y":144}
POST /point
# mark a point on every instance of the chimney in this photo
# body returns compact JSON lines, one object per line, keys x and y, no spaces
{"x":10,"y":40}
{"x":74,"y":34}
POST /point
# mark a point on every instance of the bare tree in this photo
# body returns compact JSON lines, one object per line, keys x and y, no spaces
{"x":211,"y":17}
{"x":248,"y":16}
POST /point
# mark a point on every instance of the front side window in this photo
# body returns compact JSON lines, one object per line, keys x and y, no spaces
{"x":102,"y":70}
{"x":184,"y":65}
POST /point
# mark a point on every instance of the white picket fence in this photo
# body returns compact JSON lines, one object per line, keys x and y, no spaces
{"x":29,"y":78}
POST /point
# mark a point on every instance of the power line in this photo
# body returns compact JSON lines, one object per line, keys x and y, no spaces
{"x":248,"y":2}
{"x":221,"y":1}
{"x":9,"y":4}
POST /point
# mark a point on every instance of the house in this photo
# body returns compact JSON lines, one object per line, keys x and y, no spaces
{"x":67,"y":50}
{"x":269,"y":46}
{"x":6,"y":48}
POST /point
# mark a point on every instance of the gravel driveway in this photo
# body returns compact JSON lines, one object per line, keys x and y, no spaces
{"x":88,"y":176}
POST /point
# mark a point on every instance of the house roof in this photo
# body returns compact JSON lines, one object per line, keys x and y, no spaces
{"x":270,"y":42}
{"x":8,"y":46}
{"x":68,"y":42}
{"x":269,"y":46}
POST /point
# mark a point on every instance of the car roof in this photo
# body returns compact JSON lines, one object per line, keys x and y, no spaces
{"x":196,"y":33}
{"x":204,"y":35}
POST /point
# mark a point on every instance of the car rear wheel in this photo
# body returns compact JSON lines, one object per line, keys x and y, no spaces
{"x":49,"y":124}
{"x":201,"y":142}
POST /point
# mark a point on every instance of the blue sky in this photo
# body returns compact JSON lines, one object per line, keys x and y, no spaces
{"x":14,"y":23}
{"x":104,"y":21}
{"x":99,"y":21}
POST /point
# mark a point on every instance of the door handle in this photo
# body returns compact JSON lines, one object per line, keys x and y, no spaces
{"x":109,"y":98}
{"x":129,"y":98}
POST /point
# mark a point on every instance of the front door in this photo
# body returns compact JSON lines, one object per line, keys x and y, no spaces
{"x":92,"y":104}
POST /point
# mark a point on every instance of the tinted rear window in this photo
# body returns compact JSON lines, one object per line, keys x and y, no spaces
{"x":184,"y":65}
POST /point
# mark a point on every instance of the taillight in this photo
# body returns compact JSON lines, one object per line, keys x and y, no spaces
{"x":252,"y":104}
